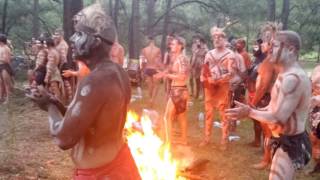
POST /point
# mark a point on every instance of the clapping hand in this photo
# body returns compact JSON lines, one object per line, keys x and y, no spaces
{"x":240,"y":111}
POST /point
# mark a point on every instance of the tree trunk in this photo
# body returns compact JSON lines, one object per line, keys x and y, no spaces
{"x":35,"y":19}
{"x":116,"y":12}
{"x":150,"y":4}
{"x":318,"y":60}
{"x":165,"y":26}
{"x":271,"y":10}
{"x":285,"y":13}
{"x":134,"y":31}
{"x":111,"y":8}
{"x":4,"y":17}
{"x":70,"y":8}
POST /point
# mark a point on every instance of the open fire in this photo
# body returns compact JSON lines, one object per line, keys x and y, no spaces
{"x":152,"y":156}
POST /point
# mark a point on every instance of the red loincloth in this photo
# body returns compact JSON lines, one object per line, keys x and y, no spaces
{"x":122,"y":167}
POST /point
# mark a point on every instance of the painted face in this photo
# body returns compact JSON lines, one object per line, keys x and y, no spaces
{"x":218,"y":40}
{"x":175,"y":46}
{"x":81,"y":44}
{"x":239,"y":46}
{"x":56,"y":38}
{"x":277,"y":51}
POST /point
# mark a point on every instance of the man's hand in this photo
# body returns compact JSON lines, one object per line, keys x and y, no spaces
{"x":224,"y":78}
{"x":315,"y":101}
{"x":239,"y":112}
{"x":69,"y":73}
{"x":202,"y":78}
{"x":159,"y":75}
{"x":46,"y":80}
{"x":41,"y":97}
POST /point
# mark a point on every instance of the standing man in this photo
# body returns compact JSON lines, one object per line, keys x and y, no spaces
{"x":315,"y":118}
{"x":199,"y":51}
{"x":178,"y":73}
{"x":6,"y":73}
{"x":92,"y":125}
{"x":220,"y":63}
{"x":288,"y":109}
{"x":62,"y":47}
{"x":251,"y":85}
{"x":267,"y":74}
{"x":151,"y":57}
{"x":240,"y":47}
{"x":117,"y":53}
{"x":53,"y":77}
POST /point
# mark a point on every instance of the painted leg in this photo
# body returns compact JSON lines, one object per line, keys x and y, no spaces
{"x":8,"y":84}
{"x":54,"y":88}
{"x":184,"y":127}
{"x":208,"y":122}
{"x":168,"y":118}
{"x":191,"y":85}
{"x":282,"y":167}
{"x":198,"y":87}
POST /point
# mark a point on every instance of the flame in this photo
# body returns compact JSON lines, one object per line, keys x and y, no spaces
{"x":152,"y":156}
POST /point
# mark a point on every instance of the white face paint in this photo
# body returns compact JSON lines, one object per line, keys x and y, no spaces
{"x":85,"y":90}
{"x":76,"y":109}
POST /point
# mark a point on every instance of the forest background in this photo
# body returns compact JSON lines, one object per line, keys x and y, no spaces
{"x":136,"y":19}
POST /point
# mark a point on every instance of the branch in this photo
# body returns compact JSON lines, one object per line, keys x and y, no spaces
{"x":181,"y":4}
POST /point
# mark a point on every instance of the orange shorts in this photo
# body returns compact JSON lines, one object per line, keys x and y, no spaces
{"x":122,"y":167}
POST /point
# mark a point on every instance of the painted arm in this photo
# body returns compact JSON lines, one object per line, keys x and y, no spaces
{"x":183,"y":72}
{"x":86,"y":105}
{"x":121,"y":56}
{"x":286,"y":103}
{"x":51,"y":66}
{"x":263,"y":82}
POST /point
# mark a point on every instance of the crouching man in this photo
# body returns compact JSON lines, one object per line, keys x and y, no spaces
{"x":287,"y":111}
{"x":93,"y":123}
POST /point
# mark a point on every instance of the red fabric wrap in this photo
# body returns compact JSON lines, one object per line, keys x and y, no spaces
{"x":122,"y":167}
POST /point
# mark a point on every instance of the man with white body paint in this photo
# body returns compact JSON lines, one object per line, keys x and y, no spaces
{"x":287,"y":111}
{"x":93,"y":123}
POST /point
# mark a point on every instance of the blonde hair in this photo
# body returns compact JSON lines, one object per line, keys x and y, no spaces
{"x":215,"y":30}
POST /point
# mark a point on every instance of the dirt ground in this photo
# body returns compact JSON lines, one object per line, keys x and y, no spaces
{"x":28,"y":152}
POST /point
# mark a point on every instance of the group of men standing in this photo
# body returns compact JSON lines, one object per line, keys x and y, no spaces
{"x":99,"y":106}
{"x":6,"y":73}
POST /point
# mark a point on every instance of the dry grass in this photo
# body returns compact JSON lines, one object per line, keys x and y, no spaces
{"x":27,"y":150}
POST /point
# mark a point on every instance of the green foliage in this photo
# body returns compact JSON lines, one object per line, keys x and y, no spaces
{"x":187,"y":18}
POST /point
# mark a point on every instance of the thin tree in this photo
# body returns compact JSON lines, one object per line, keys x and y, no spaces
{"x":134,"y":31}
{"x":4,"y":16}
{"x":150,"y":4}
{"x":35,"y":19}
{"x":271,"y":12}
{"x":70,"y":8}
{"x":285,"y":13}
{"x":165,"y":26}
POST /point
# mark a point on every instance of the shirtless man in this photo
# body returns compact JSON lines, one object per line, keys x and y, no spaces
{"x":167,"y":61}
{"x":237,"y":82}
{"x":315,"y":118}
{"x":288,"y":109}
{"x":220,"y":62}
{"x":267,"y":74}
{"x":178,"y":73}
{"x":117,"y":53}
{"x":6,"y":73}
{"x":151,"y":57}
{"x":53,"y":77}
{"x":259,"y":56}
{"x":40,"y":70}
{"x":62,"y":47}
{"x":199,"y":51}
{"x":93,"y":123}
